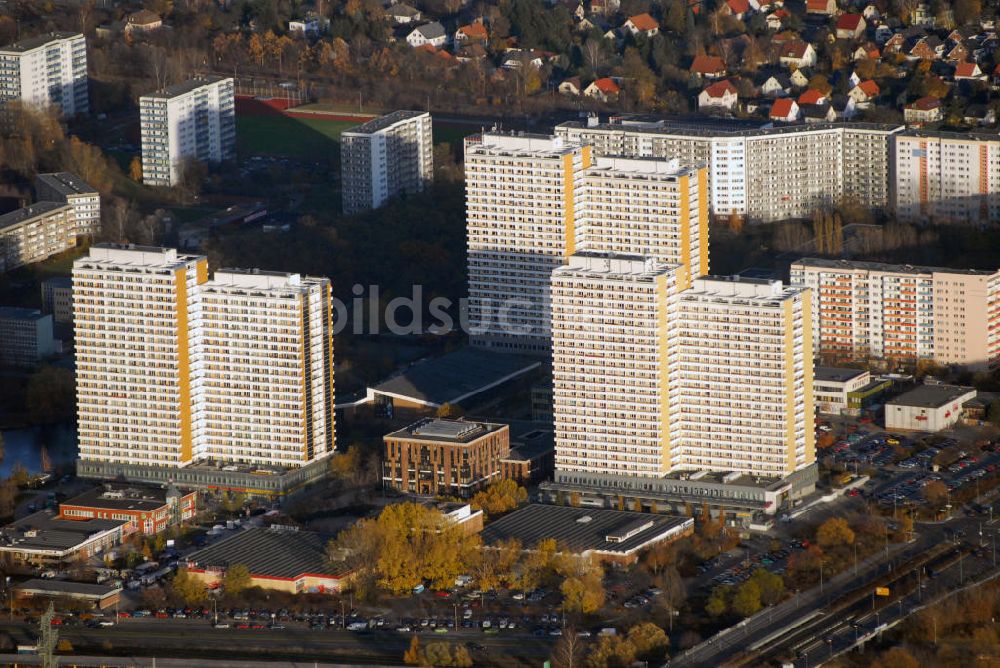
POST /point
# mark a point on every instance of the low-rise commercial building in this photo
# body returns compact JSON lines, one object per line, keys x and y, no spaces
{"x":832,"y":385}
{"x":444,"y":457}
{"x":46,"y":538}
{"x":147,"y":510}
{"x":95,"y":596}
{"x":927,"y":408}
{"x":281,"y":559}
{"x":532,"y":458}
{"x":25,"y":336}
{"x":36,"y":232}
{"x":611,"y":535}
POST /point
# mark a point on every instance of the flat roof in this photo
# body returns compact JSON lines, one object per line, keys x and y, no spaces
{"x":708,"y":127}
{"x":31,"y":211}
{"x":66,"y":183}
{"x":447,"y":431}
{"x":32,"y":43}
{"x":138,"y":498}
{"x":883,"y":266}
{"x":57,"y":587}
{"x":583,"y":530}
{"x":383,"y":122}
{"x":930,"y":396}
{"x":454,"y":376}
{"x":45,"y":531}
{"x":18,"y":313}
{"x":836,"y":374}
{"x":276,"y":553}
{"x":186,"y":87}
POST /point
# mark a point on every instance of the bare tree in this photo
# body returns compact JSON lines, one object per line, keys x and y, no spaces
{"x":568,"y":652}
{"x":118,"y":217}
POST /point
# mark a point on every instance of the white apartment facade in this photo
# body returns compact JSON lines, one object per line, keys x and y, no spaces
{"x":521,"y":218}
{"x":386,"y":157}
{"x":36,"y":232}
{"x":175,"y":369}
{"x":764,"y":174}
{"x":190,"y":121}
{"x":71,"y":189}
{"x":903,"y":312}
{"x":947,"y":176}
{"x":47,"y":70}
{"x":651,"y":377}
{"x":646,"y":207}
{"x":534,"y":200}
{"x":611,"y":351}
{"x":138,"y":364}
{"x":266,"y":350}
{"x":744,"y":377}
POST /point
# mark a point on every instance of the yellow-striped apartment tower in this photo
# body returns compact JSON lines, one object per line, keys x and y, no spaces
{"x":267,"y":392}
{"x":534,"y":200}
{"x":613,"y":353}
{"x":175,"y":369}
{"x":649,"y":207}
{"x":137,"y":354}
{"x":521,"y":200}
{"x":745,"y":374}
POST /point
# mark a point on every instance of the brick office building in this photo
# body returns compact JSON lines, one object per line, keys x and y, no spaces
{"x":444,"y":457}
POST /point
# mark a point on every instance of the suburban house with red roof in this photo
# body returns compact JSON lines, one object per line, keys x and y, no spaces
{"x":851,"y":26}
{"x":828,"y":7}
{"x":785,"y":110}
{"x":925,"y":110}
{"x":812,"y":96}
{"x":797,"y":53}
{"x":709,"y":67}
{"x":720,"y":95}
{"x":867,"y":51}
{"x":474,"y":32}
{"x":969,"y":72}
{"x":605,"y":90}
{"x":737,"y":8}
{"x":864,"y":93}
{"x":642,"y":24}
{"x":776,"y":19}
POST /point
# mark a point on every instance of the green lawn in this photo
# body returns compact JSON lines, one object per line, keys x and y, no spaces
{"x":308,"y":137}
{"x":286,"y":136}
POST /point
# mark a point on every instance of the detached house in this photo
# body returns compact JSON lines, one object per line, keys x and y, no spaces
{"x":709,"y":67}
{"x":402,"y":14}
{"x":925,"y":110}
{"x":142,"y":21}
{"x":776,"y":85}
{"x":785,"y":110}
{"x":429,"y":33}
{"x":605,"y":90}
{"x":474,"y":32}
{"x":737,"y":8}
{"x":720,"y":95}
{"x":642,"y":24}
{"x":927,"y":48}
{"x":570,"y":86}
{"x":867,"y":51}
{"x":864,"y":93}
{"x":851,"y":26}
{"x":969,"y":72}
{"x":812,"y":96}
{"x":827,"y":7}
{"x":797,"y":53}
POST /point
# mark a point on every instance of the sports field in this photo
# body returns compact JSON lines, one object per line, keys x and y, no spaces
{"x":281,"y":135}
